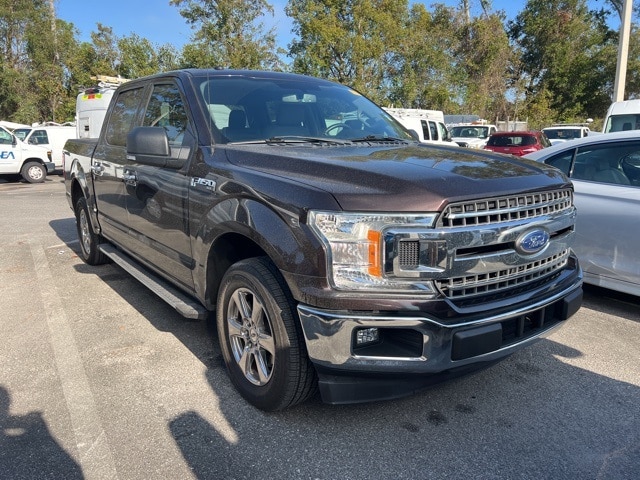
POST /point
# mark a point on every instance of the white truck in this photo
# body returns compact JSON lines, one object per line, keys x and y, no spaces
{"x":17,"y":159}
{"x":428,"y":124}
{"x":561,"y":132}
{"x":622,"y":116}
{"x":92,"y":103}
{"x":51,"y":136}
{"x":472,"y":135}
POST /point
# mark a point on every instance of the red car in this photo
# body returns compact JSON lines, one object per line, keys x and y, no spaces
{"x":517,"y":143}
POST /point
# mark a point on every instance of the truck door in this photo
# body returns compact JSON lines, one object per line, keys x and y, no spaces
{"x":10,"y":155}
{"x":157,"y":188}
{"x":109,"y":160}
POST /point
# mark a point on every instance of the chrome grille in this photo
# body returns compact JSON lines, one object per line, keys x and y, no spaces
{"x":503,"y":279}
{"x":505,"y":209}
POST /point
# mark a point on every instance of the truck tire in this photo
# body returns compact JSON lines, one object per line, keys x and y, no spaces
{"x":33,"y":172}
{"x":89,"y":240}
{"x":261,"y":338}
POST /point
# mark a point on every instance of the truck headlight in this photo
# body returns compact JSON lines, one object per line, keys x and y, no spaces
{"x":355,"y":250}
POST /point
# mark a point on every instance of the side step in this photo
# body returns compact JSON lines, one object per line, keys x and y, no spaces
{"x":182,"y":303}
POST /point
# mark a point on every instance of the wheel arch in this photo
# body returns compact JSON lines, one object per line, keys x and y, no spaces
{"x":79,"y":187}
{"x":228,"y":249}
{"x":249,"y":229}
{"x":33,"y":159}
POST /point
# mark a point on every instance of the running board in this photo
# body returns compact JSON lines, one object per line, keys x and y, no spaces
{"x":182,"y":303}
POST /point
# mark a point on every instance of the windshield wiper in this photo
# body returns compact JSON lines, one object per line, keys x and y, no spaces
{"x":299,"y":139}
{"x":377,"y":138}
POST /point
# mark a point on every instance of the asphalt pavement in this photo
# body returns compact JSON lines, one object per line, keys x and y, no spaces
{"x":99,"y":379}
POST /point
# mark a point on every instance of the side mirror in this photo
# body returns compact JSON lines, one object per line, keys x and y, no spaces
{"x":150,"y":146}
{"x":148,"y":141}
{"x":415,"y":135}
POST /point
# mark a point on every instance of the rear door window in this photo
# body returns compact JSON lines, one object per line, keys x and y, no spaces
{"x":612,"y":163}
{"x":122,"y":117}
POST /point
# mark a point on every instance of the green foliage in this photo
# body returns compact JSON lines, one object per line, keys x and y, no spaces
{"x":424,"y":73}
{"x":568,"y":52}
{"x":138,"y":58}
{"x":350,"y":41}
{"x":554,"y":62}
{"x":229,"y":34}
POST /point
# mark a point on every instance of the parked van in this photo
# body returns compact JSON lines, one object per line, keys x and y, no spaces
{"x":428,"y":124}
{"x":622,"y":116}
{"x":91,"y":106}
{"x":50,"y":136}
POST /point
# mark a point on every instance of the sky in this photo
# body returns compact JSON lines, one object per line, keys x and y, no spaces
{"x":160,"y":22}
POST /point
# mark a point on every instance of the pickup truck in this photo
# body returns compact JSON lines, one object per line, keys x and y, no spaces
{"x":333,"y":251}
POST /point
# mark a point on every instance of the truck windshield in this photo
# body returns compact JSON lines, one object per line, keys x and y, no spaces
{"x":260,"y":109}
{"x":21,"y":133}
{"x":621,"y":123}
{"x":470,"y":132}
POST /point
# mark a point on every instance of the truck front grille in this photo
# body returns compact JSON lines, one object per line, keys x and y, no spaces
{"x":507,"y":278}
{"x":505,"y":209}
{"x":473,"y":255}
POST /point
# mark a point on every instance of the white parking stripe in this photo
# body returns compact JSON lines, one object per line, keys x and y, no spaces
{"x":96,"y":459}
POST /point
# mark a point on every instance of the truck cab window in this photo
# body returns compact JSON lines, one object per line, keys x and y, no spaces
{"x":5,"y":138}
{"x":166,"y":109}
{"x":122,"y":116}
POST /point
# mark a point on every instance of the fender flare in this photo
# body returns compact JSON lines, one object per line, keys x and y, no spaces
{"x":280,"y":235}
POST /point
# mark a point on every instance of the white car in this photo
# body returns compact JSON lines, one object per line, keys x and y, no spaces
{"x":605,"y":171}
{"x":471,"y":135}
{"x":563,"y":133}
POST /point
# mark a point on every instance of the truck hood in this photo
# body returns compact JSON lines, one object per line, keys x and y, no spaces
{"x":400,"y":177}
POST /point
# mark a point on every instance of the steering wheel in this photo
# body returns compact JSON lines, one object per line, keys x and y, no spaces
{"x":333,"y":127}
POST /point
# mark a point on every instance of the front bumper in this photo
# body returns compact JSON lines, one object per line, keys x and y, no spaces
{"x":50,"y":166}
{"x":419,"y":345}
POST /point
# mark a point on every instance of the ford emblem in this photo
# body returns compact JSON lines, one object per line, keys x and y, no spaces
{"x":532,"y":242}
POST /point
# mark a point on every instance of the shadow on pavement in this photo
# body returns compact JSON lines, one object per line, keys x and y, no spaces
{"x":27,"y":449}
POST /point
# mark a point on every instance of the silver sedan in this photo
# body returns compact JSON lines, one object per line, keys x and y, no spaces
{"x":605,"y":171}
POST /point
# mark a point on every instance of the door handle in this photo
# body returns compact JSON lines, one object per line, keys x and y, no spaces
{"x":97,"y":168}
{"x":130,"y":178}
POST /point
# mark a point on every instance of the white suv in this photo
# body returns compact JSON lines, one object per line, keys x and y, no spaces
{"x":471,"y":135}
{"x":562,"y":133}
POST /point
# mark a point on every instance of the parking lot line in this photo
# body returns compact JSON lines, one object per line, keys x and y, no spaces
{"x":96,"y":458}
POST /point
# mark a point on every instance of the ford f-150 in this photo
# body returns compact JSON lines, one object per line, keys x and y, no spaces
{"x":334,"y":251}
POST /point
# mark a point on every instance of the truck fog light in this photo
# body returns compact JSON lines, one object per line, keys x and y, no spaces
{"x":366,"y":336}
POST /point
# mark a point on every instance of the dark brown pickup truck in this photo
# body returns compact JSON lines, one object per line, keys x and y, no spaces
{"x":334,"y":250}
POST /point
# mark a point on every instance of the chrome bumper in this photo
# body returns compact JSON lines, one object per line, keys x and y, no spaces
{"x":419,"y":344}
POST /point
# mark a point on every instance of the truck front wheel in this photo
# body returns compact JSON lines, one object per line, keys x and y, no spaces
{"x":33,"y":172}
{"x":260,"y":337}
{"x":89,"y":240}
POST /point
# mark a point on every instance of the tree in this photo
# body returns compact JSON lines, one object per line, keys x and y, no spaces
{"x":350,"y":41}
{"x":17,"y":96}
{"x":107,"y":57}
{"x":137,"y":57}
{"x":568,"y":52}
{"x":229,"y":33}
{"x":485,"y":61}
{"x":423,"y":73}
